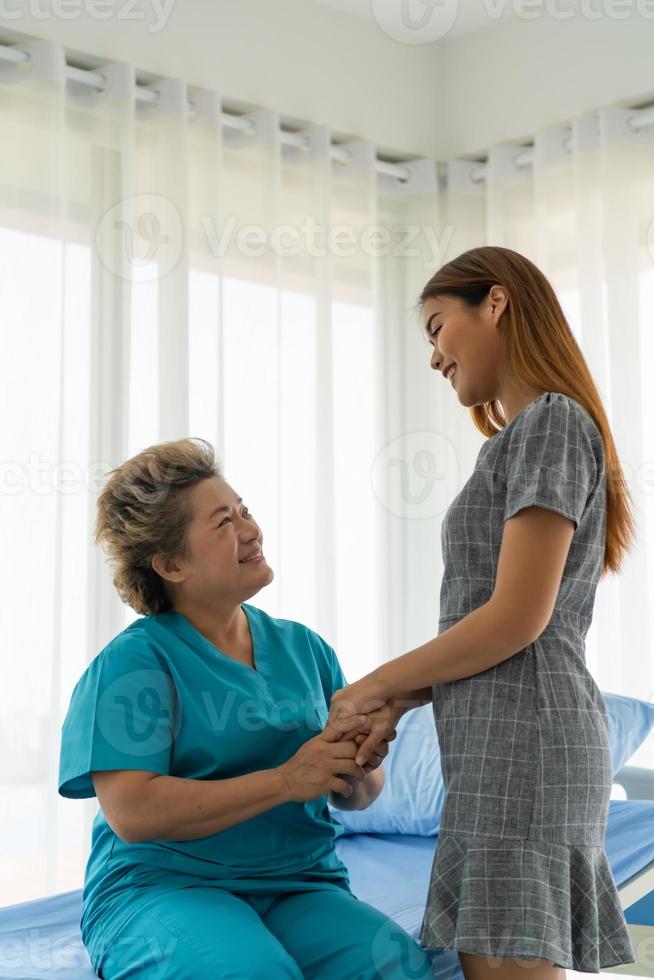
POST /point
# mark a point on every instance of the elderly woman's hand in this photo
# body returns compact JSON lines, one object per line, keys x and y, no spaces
{"x":319,"y":767}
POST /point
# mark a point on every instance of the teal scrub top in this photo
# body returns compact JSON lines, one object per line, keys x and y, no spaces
{"x":163,"y":698}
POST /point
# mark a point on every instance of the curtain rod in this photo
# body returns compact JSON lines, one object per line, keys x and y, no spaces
{"x":94,"y":79}
{"x":97,"y":80}
{"x":639,"y":119}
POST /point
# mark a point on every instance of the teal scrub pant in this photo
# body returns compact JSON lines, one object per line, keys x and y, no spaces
{"x":204,"y":933}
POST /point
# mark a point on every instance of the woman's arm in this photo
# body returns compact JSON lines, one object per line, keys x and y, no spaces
{"x":142,"y":806}
{"x":411,"y":700}
{"x":533,"y":553}
{"x":479,"y":641}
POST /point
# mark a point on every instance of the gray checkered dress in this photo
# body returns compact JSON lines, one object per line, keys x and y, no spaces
{"x":520,"y":869}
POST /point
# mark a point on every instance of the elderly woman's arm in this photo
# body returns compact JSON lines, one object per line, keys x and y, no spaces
{"x":363,"y":793}
{"x":141,"y":806}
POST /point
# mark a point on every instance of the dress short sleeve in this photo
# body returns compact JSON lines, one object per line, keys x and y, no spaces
{"x":551,"y":461}
{"x":123,"y":714}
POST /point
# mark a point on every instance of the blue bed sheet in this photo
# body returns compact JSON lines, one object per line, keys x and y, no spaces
{"x":391,"y":871}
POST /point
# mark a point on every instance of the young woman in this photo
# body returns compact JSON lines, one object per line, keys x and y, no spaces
{"x":520,"y":872}
{"x":199,"y":729}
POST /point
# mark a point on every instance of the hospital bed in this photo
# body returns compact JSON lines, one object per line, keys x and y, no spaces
{"x":388,"y":850}
{"x":391,"y":871}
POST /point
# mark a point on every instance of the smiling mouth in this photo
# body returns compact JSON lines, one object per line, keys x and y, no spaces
{"x":256,"y":557}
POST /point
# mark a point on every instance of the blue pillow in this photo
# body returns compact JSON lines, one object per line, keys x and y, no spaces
{"x":630,"y":722}
{"x":412,"y":797}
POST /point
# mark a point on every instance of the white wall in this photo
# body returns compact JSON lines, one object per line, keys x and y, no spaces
{"x":510,"y":79}
{"x":453,"y":97}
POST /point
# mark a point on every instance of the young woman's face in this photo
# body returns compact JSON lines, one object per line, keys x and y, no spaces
{"x":469,"y":338}
{"x":219,"y":538}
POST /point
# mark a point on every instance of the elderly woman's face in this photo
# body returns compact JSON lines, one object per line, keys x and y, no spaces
{"x":220,"y":538}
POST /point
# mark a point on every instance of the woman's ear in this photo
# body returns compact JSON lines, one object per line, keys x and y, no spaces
{"x":167,"y":568}
{"x":499,"y":300}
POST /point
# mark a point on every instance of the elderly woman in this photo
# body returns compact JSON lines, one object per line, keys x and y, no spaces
{"x":199,"y":728}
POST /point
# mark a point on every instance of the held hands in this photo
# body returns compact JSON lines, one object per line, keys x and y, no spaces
{"x":362,"y":721}
{"x":378,"y":754}
{"x":351,"y":706}
{"x":382,"y":729}
{"x":364,"y":707}
{"x":321,"y":766}
{"x":327,"y":764}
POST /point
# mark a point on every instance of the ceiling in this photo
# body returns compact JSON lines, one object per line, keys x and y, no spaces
{"x":457,"y":17}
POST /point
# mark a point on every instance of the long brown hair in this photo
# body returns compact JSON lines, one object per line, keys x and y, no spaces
{"x":541,"y":351}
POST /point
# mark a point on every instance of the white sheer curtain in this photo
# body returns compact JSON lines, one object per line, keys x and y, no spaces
{"x":163,"y":276}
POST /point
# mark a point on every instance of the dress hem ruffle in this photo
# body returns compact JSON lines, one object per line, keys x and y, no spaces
{"x":520,"y":898}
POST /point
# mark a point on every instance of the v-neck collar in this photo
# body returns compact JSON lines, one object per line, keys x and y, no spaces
{"x":258,"y":644}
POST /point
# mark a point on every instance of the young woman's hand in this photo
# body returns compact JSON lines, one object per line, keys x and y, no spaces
{"x":351,"y":704}
{"x":379,"y":729}
{"x":383,"y":729}
{"x":378,"y":755}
